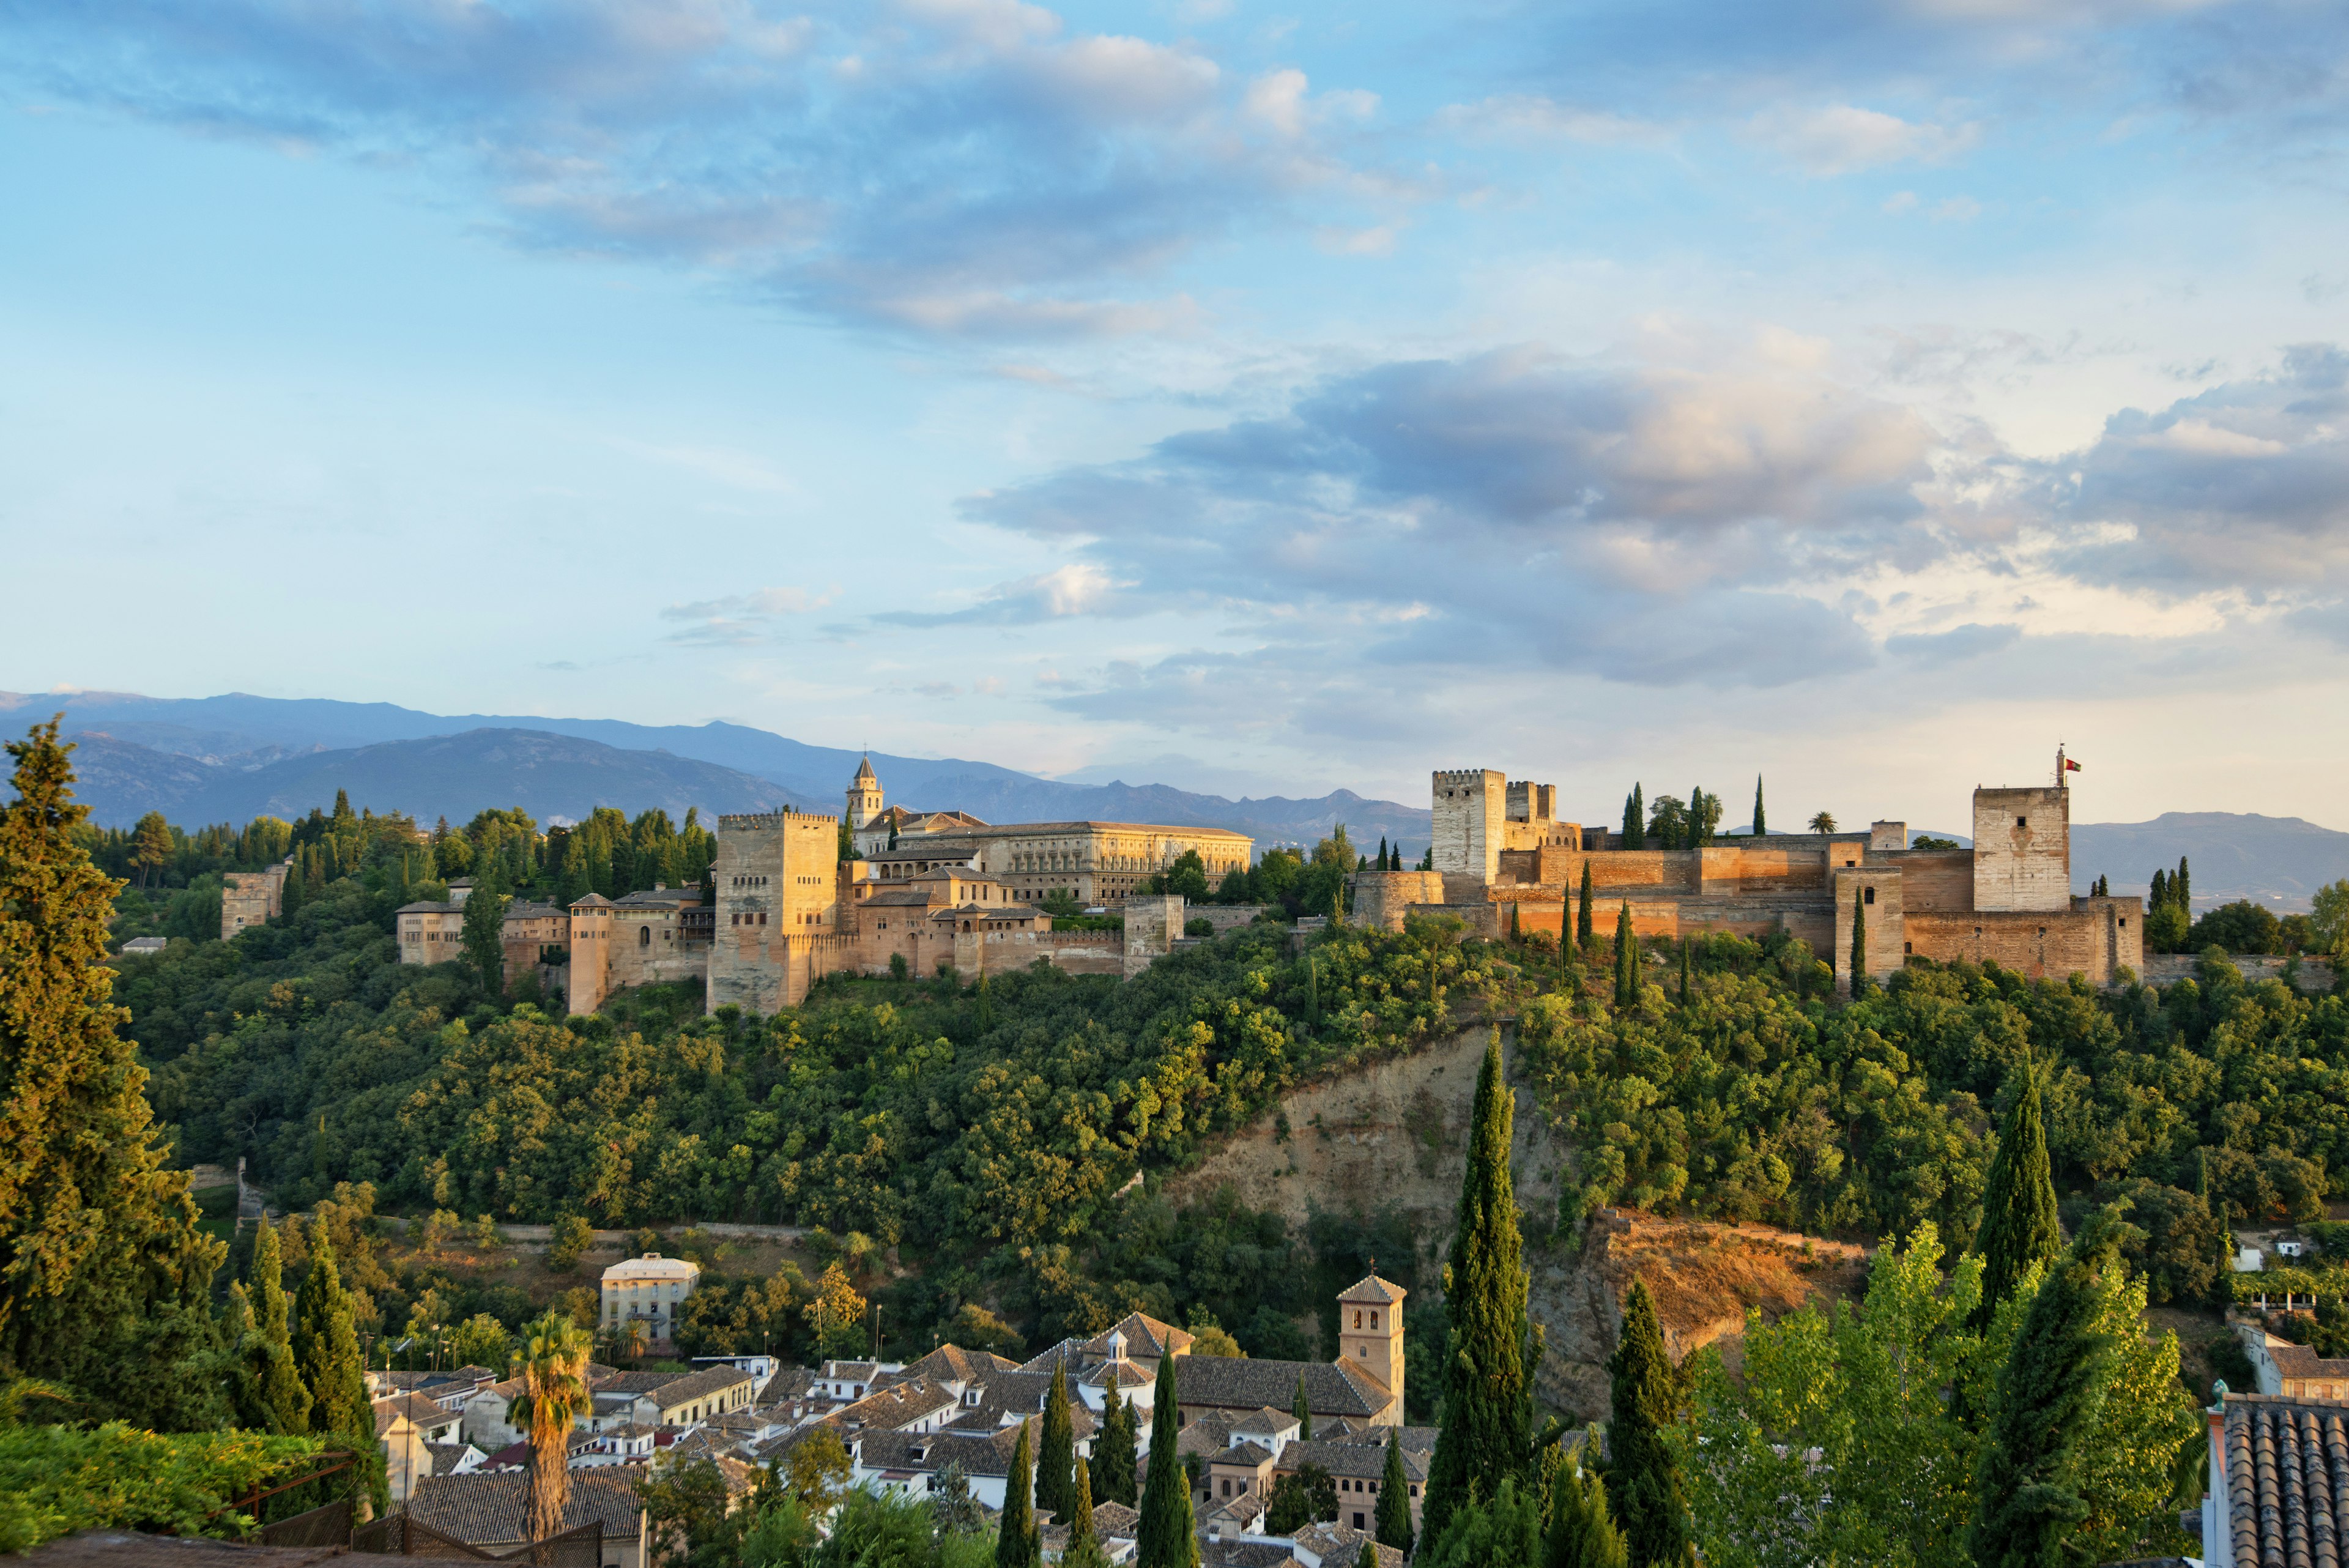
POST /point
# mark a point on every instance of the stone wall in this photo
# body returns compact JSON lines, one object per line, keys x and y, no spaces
{"x":1380,"y":898}
{"x":1875,"y":892}
{"x":2051,"y":943}
{"x":1154,"y":922}
{"x":2023,"y":849}
{"x":2168,"y":969}
{"x":776,"y":875}
{"x":253,"y":897}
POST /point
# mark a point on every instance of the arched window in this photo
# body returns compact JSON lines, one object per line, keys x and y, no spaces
{"x":644,"y":936}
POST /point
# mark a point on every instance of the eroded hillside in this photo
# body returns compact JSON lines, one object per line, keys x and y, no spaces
{"x":1395,"y":1135}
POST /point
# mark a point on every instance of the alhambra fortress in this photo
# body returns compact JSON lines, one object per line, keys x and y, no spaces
{"x":920,"y":891}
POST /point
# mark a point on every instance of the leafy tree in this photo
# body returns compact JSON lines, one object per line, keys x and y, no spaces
{"x":2079,"y":1385}
{"x":1303,"y":1411}
{"x":1391,"y":1524}
{"x":686,"y":1508}
{"x":837,"y":1312}
{"x":1056,"y":1455}
{"x":1017,"y":1541}
{"x":1113,"y":1462}
{"x":2019,"y":1227}
{"x":2328,"y":916}
{"x":1487,"y":1432}
{"x":573,"y":1236}
{"x":98,"y":1240}
{"x":818,"y":1471}
{"x":1642,"y":1470}
{"x":1582,"y":1533}
{"x":56,"y":1480}
{"x":953,"y":1510}
{"x":1822,"y":822}
{"x":2241,"y":927}
{"x":1839,"y":1444}
{"x":1687,"y":950}
{"x":1301,"y":1497}
{"x":1504,"y":1531}
{"x":480,"y":1341}
{"x":552,"y":1364}
{"x":151,"y":847}
{"x":1760,"y":826}
{"x":1166,"y":1538}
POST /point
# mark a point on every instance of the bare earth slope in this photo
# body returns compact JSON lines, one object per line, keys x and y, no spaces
{"x":1396,"y":1134}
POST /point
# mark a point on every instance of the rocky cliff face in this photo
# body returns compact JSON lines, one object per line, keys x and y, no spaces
{"x":1395,"y":1135}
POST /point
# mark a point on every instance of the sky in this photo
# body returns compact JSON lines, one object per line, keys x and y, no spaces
{"x":1255,"y":398}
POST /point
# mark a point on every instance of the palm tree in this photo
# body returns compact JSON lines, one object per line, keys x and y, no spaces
{"x":1823,"y":822}
{"x":553,"y":1393}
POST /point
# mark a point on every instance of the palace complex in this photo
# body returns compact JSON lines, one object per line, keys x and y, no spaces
{"x":928,"y":889}
{"x":1504,"y":861}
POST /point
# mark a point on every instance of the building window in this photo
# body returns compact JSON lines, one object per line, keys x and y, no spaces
{"x":2022,"y":822}
{"x":644,"y":936}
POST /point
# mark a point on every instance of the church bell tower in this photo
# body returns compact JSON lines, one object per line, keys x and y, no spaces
{"x":864,"y":796}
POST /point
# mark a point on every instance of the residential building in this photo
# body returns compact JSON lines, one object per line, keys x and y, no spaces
{"x":491,"y":1511}
{"x":645,"y":1293}
{"x":406,"y":1427}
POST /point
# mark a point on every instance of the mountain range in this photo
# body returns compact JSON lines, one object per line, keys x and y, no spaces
{"x":230,"y":758}
{"x":233,"y":757}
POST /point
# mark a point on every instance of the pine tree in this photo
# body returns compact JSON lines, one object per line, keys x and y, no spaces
{"x":1641,"y":1472}
{"x":1391,"y":1524}
{"x":98,"y":1240}
{"x":1760,"y":828}
{"x":2019,"y":1225}
{"x":2026,"y":1498}
{"x":1167,"y":1537}
{"x":1303,"y":1411}
{"x":1488,"y":1434}
{"x":1627,"y":961}
{"x":1084,"y":1548}
{"x":325,"y":1345}
{"x":285,"y":1402}
{"x":1859,"y":947}
{"x":1584,"y":935}
{"x":151,"y":847}
{"x":1056,"y":1459}
{"x":1582,"y":1533}
{"x":1113,"y":1463}
{"x":1017,"y":1543}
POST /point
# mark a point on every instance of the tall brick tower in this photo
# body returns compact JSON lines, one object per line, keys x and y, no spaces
{"x":864,"y":796}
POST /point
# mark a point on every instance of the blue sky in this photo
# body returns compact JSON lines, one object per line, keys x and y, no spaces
{"x":1242,"y":396}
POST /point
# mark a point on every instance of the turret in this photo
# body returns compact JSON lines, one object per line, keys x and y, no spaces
{"x":864,"y":796}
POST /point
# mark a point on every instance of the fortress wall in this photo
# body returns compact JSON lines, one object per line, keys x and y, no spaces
{"x":2023,"y":849}
{"x":2032,"y":942}
{"x":1937,"y":880}
{"x":1470,"y":805}
{"x":1380,"y":898}
{"x":1734,"y":868}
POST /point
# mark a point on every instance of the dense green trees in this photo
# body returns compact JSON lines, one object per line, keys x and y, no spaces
{"x":105,"y":1279}
{"x":1488,"y":1433}
{"x":1582,"y":1531}
{"x":1056,"y":1453}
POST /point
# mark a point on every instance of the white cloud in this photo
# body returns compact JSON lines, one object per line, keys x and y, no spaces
{"x":1843,"y":138}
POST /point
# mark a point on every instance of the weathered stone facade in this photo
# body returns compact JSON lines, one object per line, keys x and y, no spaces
{"x":2007,"y":900}
{"x":253,"y":897}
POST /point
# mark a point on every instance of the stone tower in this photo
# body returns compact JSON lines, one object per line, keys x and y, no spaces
{"x":1471,"y":805}
{"x":864,"y":796}
{"x":1370,"y":1332}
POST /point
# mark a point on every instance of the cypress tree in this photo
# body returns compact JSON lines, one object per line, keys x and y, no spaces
{"x":2160,"y":895}
{"x":98,"y":1239}
{"x":2222,"y":1289}
{"x":1582,"y":1533}
{"x":1583,"y":934}
{"x":1760,"y":828}
{"x":1640,"y":1469}
{"x":1167,"y":1540}
{"x":2181,"y":888}
{"x":1312,"y":990}
{"x":1391,"y":1524}
{"x":327,"y":1353}
{"x":1627,"y":961}
{"x":483,"y":932}
{"x":2026,"y":1502}
{"x":1382,"y":851}
{"x":1302,"y":1411}
{"x":1488,"y":1433}
{"x":290,"y":896}
{"x":1084,"y":1548}
{"x":285,"y":1402}
{"x":1635,"y":827}
{"x":1056,"y":1458}
{"x":1017,"y":1545}
{"x":1859,"y":947}
{"x":2019,"y":1226}
{"x":1113,"y":1462}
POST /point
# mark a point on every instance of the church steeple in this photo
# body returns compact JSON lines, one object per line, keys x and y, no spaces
{"x":863,"y":795}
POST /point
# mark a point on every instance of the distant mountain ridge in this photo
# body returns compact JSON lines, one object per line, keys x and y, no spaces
{"x":185,"y":757}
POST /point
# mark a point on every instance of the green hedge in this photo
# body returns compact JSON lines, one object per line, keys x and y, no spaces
{"x":56,"y":1480}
